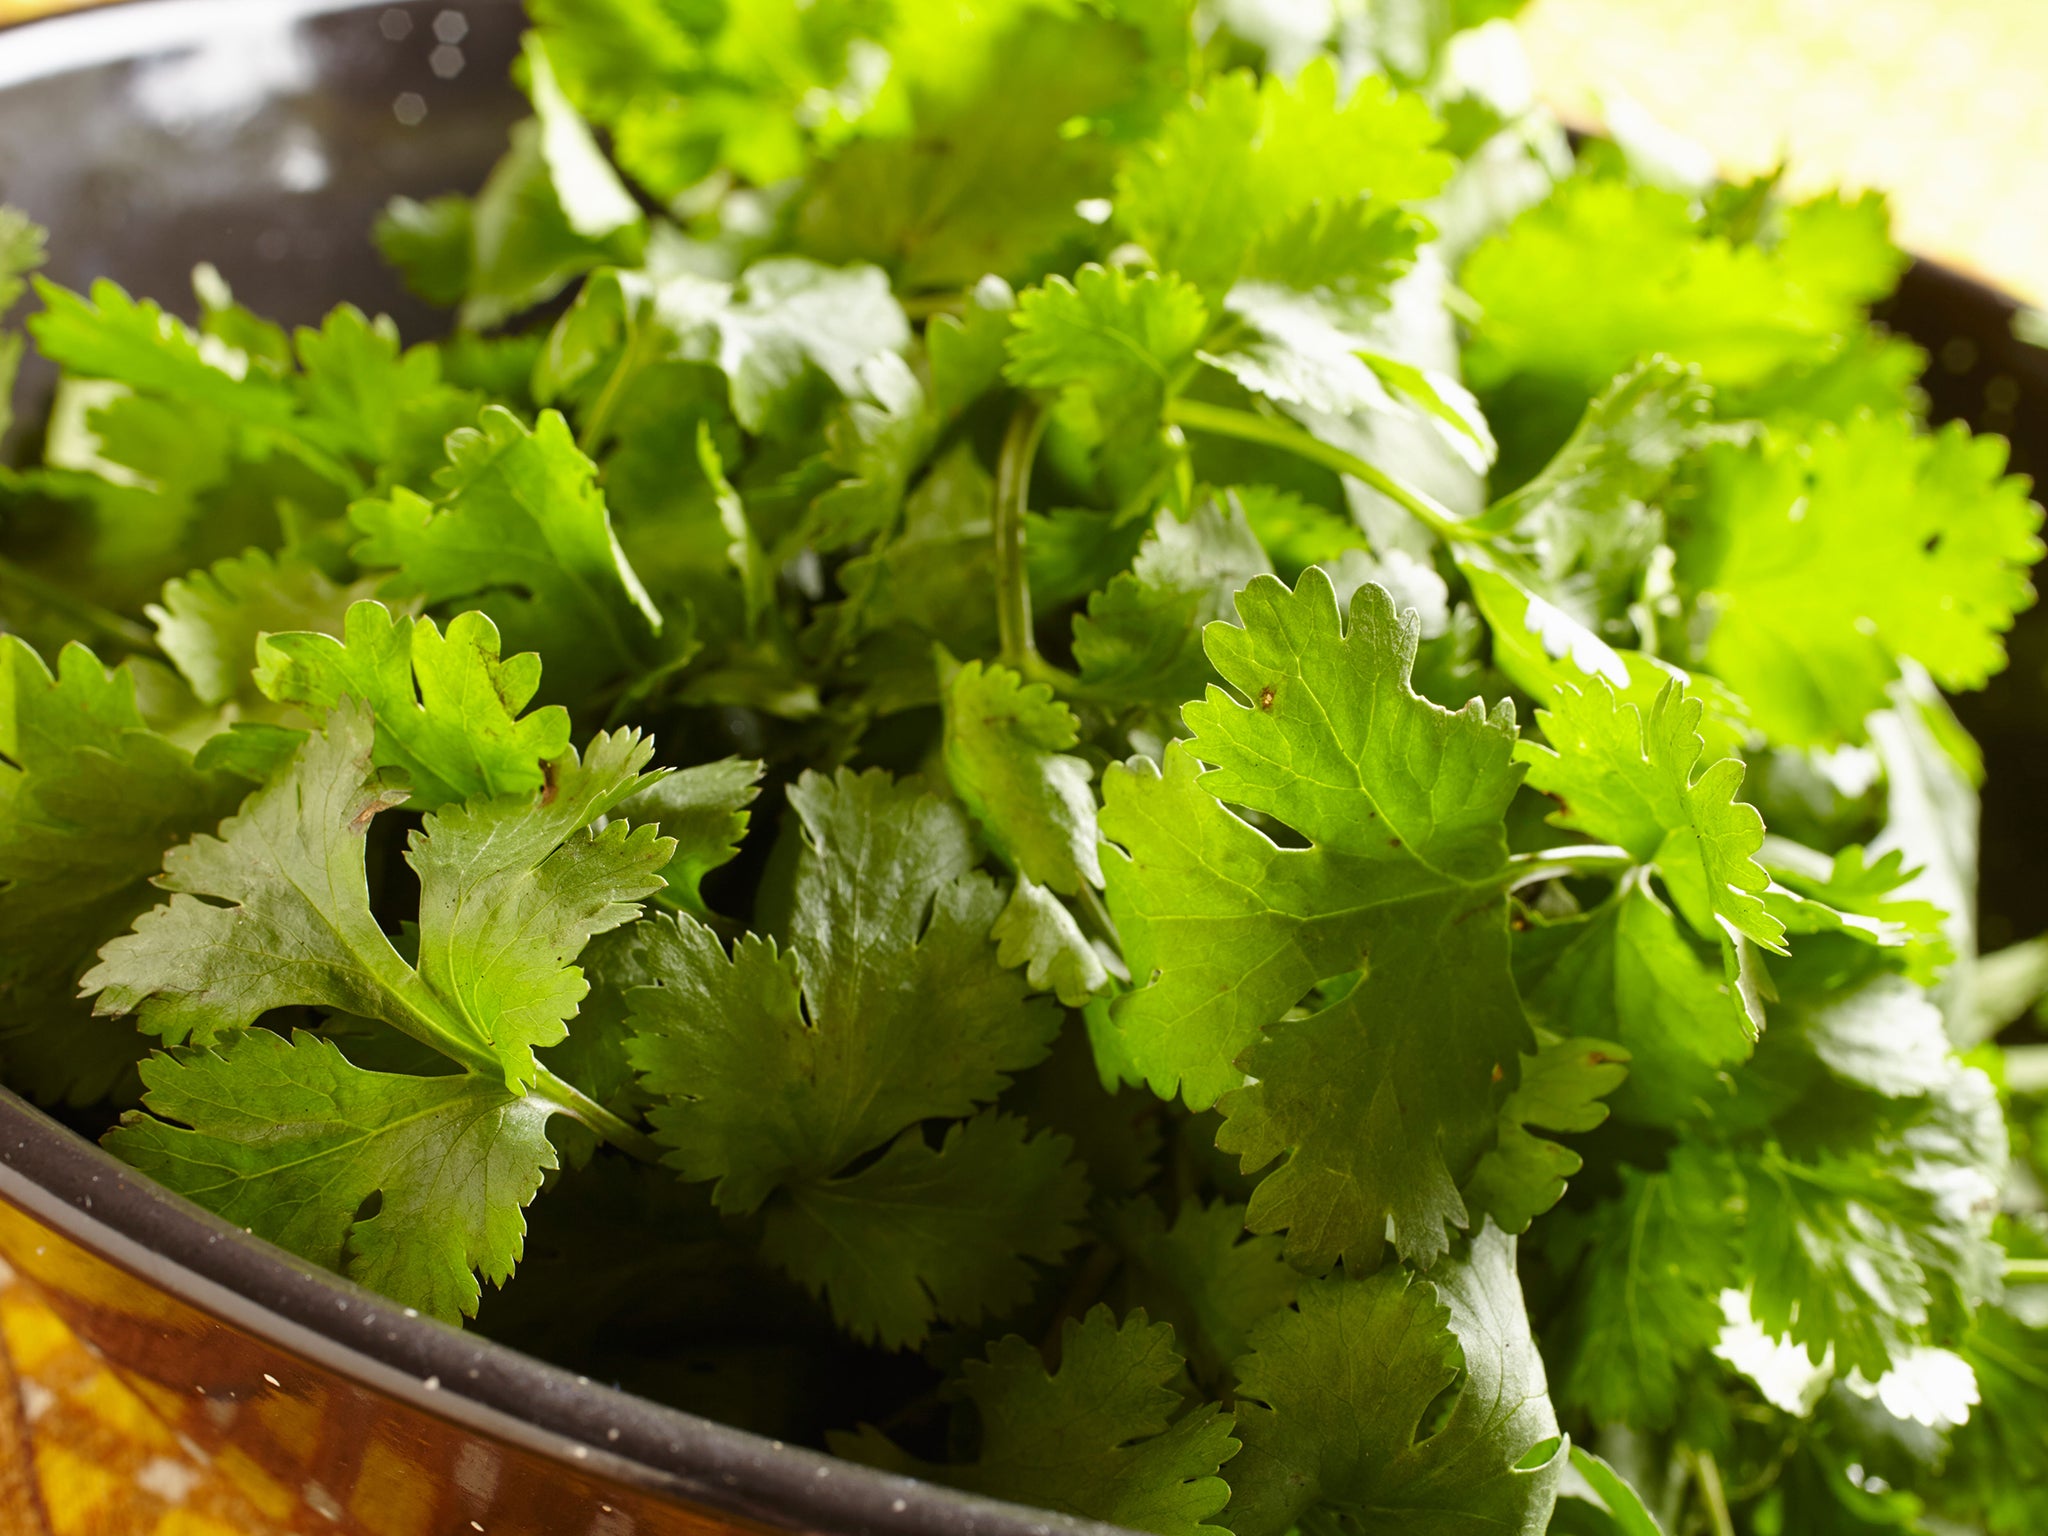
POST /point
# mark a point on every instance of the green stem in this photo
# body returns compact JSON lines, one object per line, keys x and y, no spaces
{"x":1018,"y":645}
{"x":2026,"y":1068}
{"x":591,"y":434}
{"x":577,"y":1104}
{"x":2026,"y":1269}
{"x":1571,"y":859}
{"x":137,"y":637}
{"x":1095,"y":915}
{"x":1275,"y":432}
{"x":922,"y":306}
{"x":2017,"y":1365}
{"x":1707,"y":1474}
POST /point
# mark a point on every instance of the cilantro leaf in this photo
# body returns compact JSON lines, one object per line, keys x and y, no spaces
{"x":518,"y":526}
{"x":1926,"y":543}
{"x":686,"y":91}
{"x":784,"y":1064}
{"x":1604,"y":273}
{"x":431,"y":244}
{"x":777,"y":333}
{"x":447,"y":707}
{"x":108,"y":335}
{"x":778,"y":1067}
{"x":967,"y":350}
{"x":704,"y":809}
{"x":923,"y":1235}
{"x":1204,"y":1274}
{"x":21,"y":252}
{"x":1035,"y":930}
{"x":1296,"y":533}
{"x":287,"y":1139}
{"x":1885,"y":1035}
{"x":1561,"y":1090}
{"x":1626,"y":972}
{"x":366,"y":399}
{"x":510,"y":890}
{"x":1997,"y":1455}
{"x":1856,"y":894}
{"x":209,"y":621}
{"x":1872,"y":1245}
{"x":926,"y":580}
{"x":1006,"y":758}
{"x":358,"y":403}
{"x":1594,"y":515}
{"x":90,"y":798}
{"x":551,"y":210}
{"x":1229,"y":178}
{"x":1626,"y":775}
{"x":1403,"y":804}
{"x":1122,"y":339}
{"x":1103,"y":1437}
{"x":1646,"y":1309}
{"x":960,"y":191}
{"x":1141,"y":639}
{"x":878,"y":439}
{"x":1335,"y":1406}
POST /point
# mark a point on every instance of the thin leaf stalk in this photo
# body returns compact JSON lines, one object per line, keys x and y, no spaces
{"x":580,"y":1106}
{"x":1017,"y":645}
{"x":1713,"y":1497}
{"x":1275,"y":432}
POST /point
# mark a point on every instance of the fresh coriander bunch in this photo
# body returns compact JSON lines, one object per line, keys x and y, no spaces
{"x":1129,"y":756}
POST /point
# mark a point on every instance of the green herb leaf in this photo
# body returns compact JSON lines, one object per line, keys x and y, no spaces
{"x":1403,"y":805}
{"x":1561,"y":1090}
{"x":510,"y":891}
{"x":518,"y":526}
{"x":1005,"y":742}
{"x":447,"y":708}
{"x":1204,"y":1274}
{"x":1926,"y":543}
{"x":1102,"y":1437}
{"x":210,"y":621}
{"x":920,"y":1236}
{"x":287,"y":1139}
{"x":1140,"y":641}
{"x":783,"y":1064}
{"x":90,"y":798}
{"x":1338,"y":1406}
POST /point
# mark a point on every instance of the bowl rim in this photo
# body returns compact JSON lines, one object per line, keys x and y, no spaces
{"x":85,"y":1195}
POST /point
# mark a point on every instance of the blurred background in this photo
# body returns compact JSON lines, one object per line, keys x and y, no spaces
{"x":1938,"y":102}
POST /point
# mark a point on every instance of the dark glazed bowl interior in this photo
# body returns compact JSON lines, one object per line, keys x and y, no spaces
{"x":263,"y":136}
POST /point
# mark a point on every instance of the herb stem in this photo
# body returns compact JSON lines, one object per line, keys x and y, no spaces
{"x":137,"y":637}
{"x":1018,"y":646}
{"x":578,"y":1105}
{"x":1246,"y":426}
{"x":1095,"y":915}
{"x":1707,"y":1475}
{"x":2026,"y":1269}
{"x":1571,"y":859}
{"x":922,"y":306}
{"x":591,"y":434}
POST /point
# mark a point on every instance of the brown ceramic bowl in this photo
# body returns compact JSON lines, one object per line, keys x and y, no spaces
{"x":161,"y":1371}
